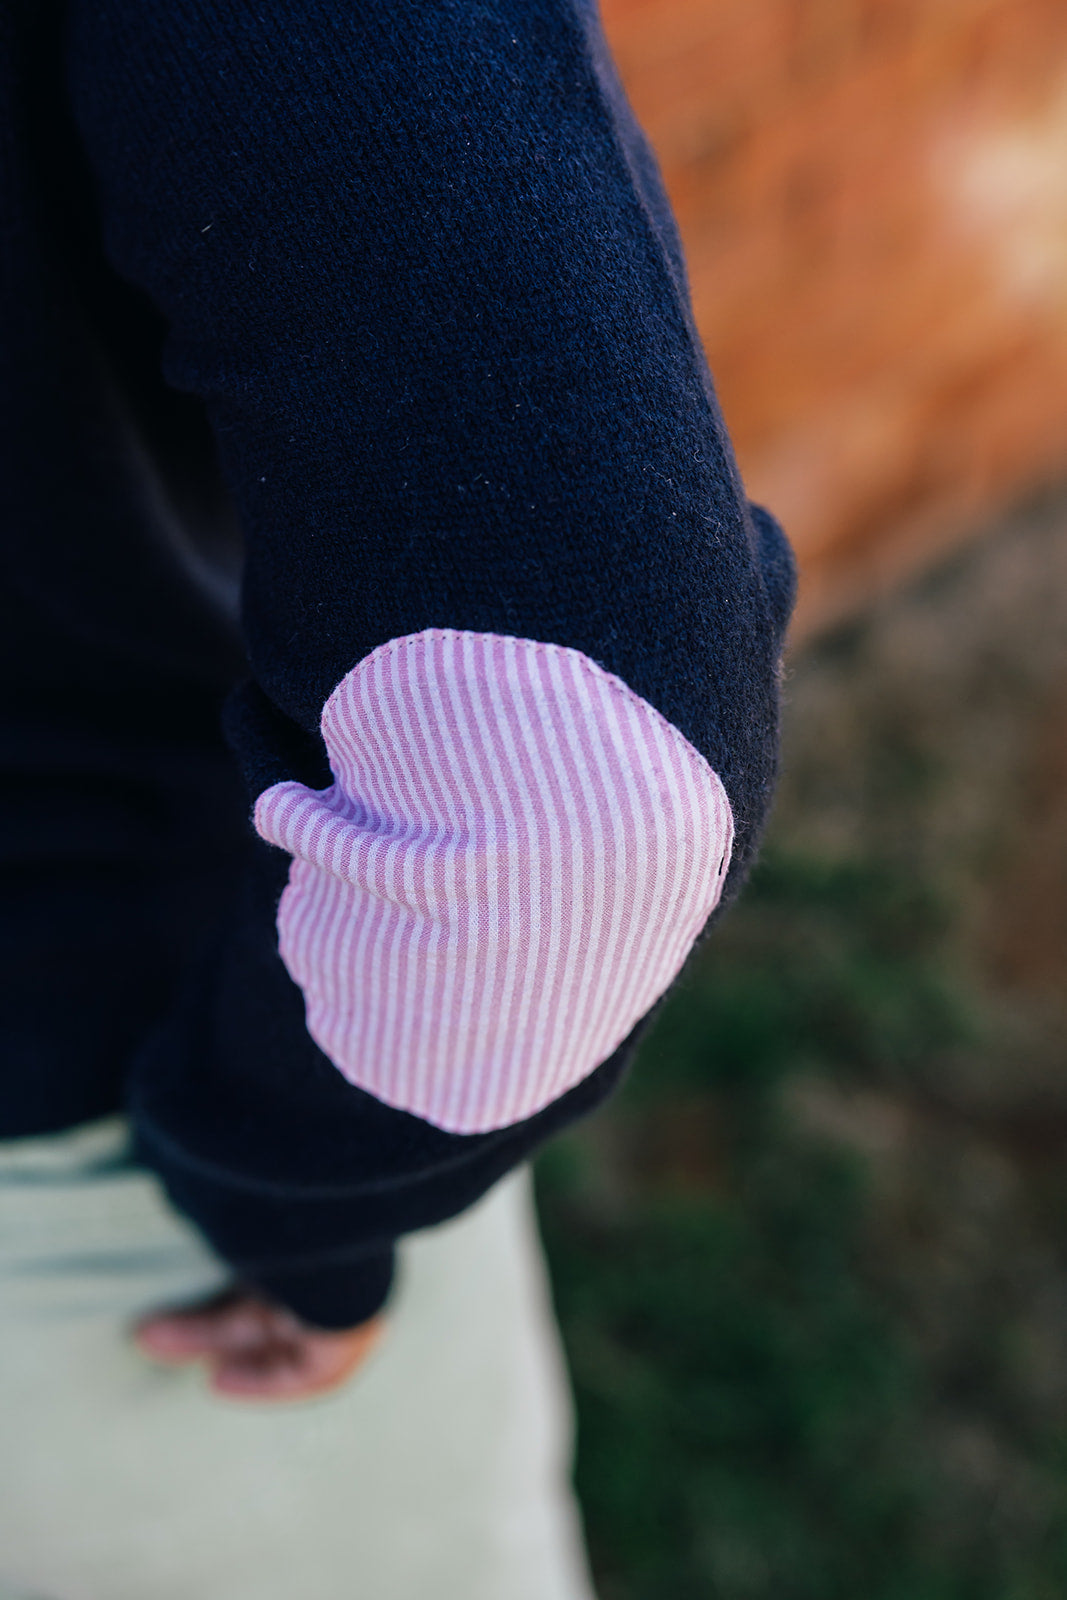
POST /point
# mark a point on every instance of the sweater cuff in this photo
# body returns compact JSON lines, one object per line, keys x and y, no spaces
{"x":340,"y":1292}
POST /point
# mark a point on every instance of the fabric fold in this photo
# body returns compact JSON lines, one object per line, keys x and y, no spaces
{"x":510,"y":867}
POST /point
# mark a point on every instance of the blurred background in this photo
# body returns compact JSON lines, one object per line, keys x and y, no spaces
{"x":811,"y":1266}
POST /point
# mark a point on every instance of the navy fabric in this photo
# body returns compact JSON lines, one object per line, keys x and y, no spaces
{"x":388,"y":303}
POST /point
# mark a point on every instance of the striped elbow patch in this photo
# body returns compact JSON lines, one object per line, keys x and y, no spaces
{"x":508,"y":870}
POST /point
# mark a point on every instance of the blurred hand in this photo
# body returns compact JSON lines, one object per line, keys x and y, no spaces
{"x":256,"y":1350}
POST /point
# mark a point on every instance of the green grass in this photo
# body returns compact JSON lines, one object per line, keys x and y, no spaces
{"x":754,"y":1405}
{"x":811,"y":1264}
{"x":753,"y":1409}
{"x":741,"y":1395}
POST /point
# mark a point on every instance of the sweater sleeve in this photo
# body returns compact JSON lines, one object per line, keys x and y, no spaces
{"x":513,"y":630}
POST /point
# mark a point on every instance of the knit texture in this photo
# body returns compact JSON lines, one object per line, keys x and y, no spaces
{"x":390,"y":295}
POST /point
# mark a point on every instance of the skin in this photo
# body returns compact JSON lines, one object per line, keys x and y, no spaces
{"x":255,"y":1350}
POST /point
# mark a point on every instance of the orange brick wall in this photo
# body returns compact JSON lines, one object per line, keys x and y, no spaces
{"x":873,"y":196}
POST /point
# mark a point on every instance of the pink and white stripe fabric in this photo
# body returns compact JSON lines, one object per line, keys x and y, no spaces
{"x":509,"y":868}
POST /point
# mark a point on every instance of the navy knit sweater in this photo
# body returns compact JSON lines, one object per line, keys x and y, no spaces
{"x":378,"y":315}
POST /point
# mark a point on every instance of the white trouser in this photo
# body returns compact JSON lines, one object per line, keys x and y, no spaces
{"x":438,"y":1473}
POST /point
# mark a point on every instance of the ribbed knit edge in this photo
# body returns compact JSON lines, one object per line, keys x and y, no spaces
{"x":337,"y":1294}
